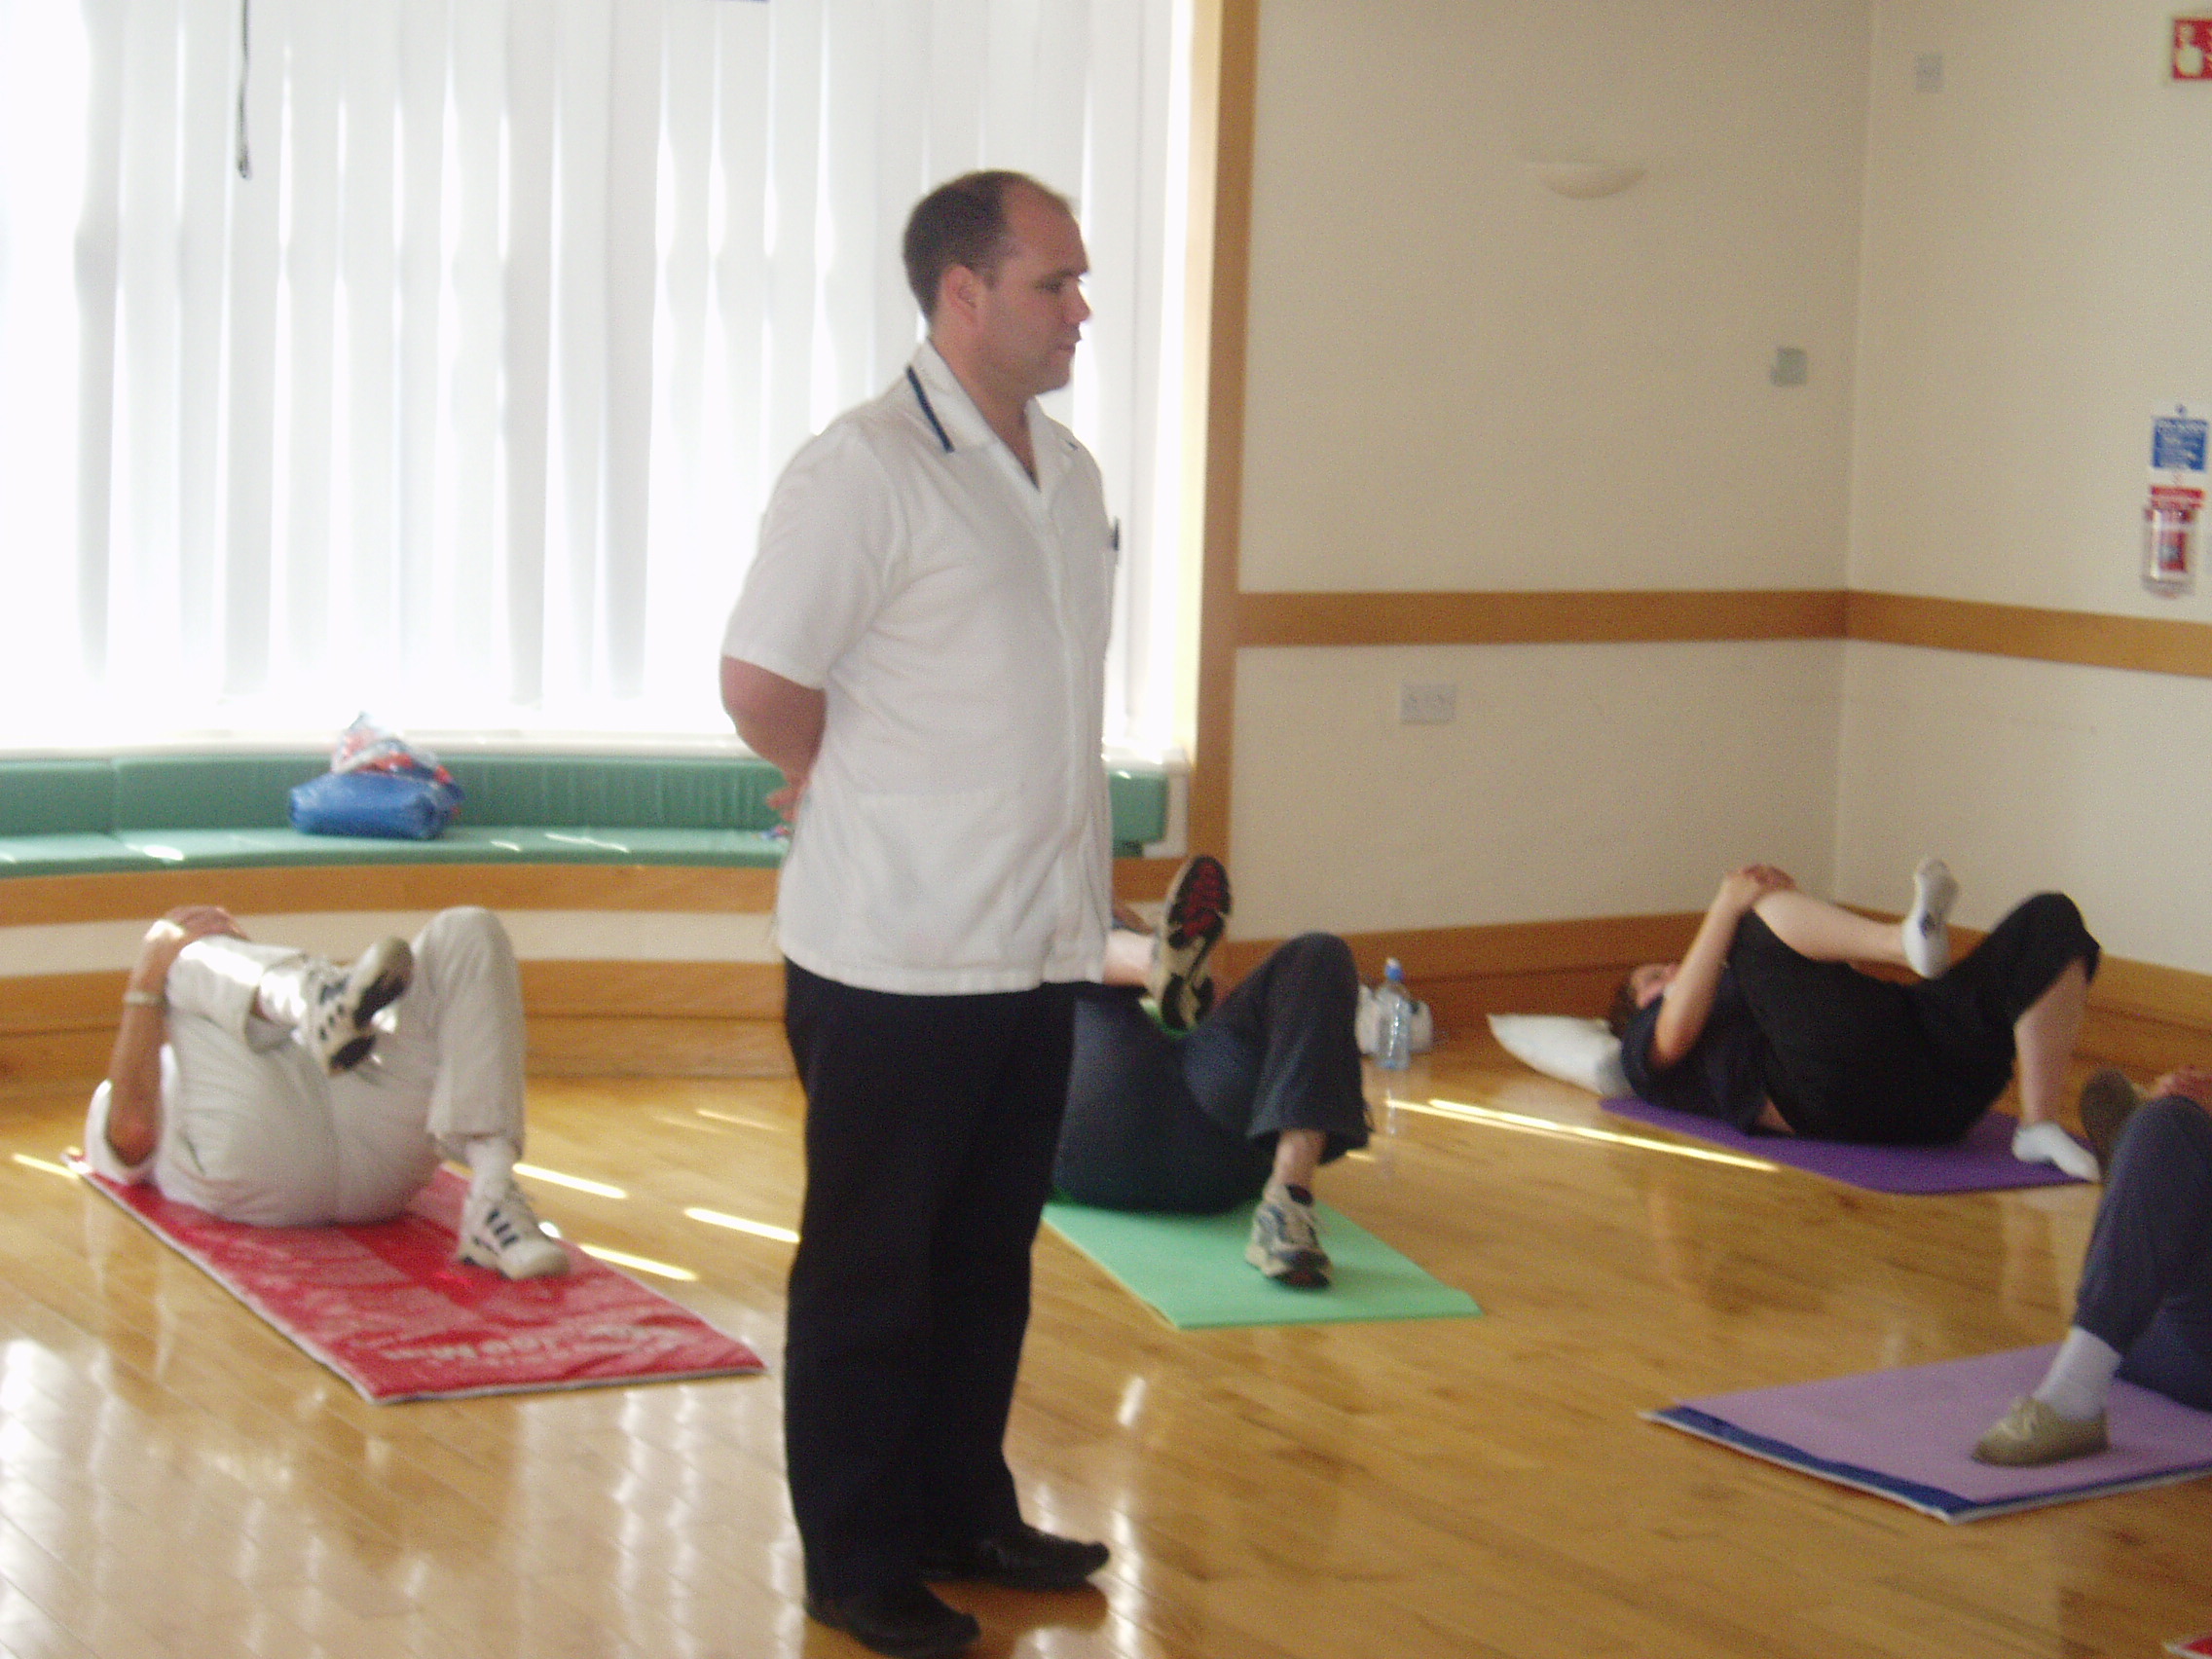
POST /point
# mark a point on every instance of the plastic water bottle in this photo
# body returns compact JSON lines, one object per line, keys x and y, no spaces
{"x":1394,"y":1006}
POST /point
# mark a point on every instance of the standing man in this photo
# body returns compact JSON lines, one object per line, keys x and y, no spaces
{"x":920,"y":649}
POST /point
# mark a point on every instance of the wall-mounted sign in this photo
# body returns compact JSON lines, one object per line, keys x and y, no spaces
{"x":2193,"y":49}
{"x":2173,"y":513}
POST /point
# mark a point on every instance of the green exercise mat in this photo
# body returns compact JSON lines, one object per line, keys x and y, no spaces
{"x":1191,"y":1269}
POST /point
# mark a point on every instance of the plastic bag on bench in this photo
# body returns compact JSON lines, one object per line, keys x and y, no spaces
{"x":379,"y":784}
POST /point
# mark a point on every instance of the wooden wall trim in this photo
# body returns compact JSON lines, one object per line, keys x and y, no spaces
{"x":1505,"y":947}
{"x":1529,"y":618}
{"x":1229,"y":30}
{"x":2143,"y":644}
{"x":128,"y":895}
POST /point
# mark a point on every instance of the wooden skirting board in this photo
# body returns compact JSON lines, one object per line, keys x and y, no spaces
{"x":724,"y":1019}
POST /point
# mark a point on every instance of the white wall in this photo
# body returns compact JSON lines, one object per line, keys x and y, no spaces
{"x":2038,"y":269}
{"x":1578,"y":781}
{"x":2036,"y":276}
{"x":2028,"y":776}
{"x":1458,"y":380}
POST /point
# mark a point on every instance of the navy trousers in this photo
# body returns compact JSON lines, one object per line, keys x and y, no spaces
{"x":2147,"y":1281}
{"x":930,"y":1127}
{"x":1189,"y":1124}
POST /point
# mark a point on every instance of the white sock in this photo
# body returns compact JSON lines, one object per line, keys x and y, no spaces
{"x":2048,"y":1143}
{"x":491,"y":1161}
{"x":1926,"y":929}
{"x":2080,"y":1377}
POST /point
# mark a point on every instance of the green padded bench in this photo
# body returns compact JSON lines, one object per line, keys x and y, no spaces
{"x":230,"y":812}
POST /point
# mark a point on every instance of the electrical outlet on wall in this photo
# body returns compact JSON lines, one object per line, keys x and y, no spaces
{"x":1427,"y":702}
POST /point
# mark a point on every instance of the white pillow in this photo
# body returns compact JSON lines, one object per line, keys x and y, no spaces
{"x":1580,"y":1052}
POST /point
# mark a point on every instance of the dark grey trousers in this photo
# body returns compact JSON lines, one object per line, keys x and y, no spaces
{"x":2147,"y":1282}
{"x":1160,"y":1122}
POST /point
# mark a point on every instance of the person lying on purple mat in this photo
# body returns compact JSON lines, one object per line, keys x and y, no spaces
{"x":1764,"y":1023}
{"x":2143,"y":1307}
{"x":273,"y":1087}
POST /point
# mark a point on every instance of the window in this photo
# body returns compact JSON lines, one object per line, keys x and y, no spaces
{"x":463,"y":405}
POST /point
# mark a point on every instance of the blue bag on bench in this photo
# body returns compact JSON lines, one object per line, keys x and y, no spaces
{"x":393,"y":805}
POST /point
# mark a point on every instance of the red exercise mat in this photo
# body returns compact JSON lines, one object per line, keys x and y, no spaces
{"x":388,"y":1308}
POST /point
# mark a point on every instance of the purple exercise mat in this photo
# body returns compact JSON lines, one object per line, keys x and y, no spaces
{"x":1909,"y":1435}
{"x":1982,"y":1163}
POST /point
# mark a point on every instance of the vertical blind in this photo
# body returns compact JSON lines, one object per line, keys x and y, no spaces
{"x":463,"y":406}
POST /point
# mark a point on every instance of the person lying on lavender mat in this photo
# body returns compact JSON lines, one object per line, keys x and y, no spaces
{"x":1764,"y":1023}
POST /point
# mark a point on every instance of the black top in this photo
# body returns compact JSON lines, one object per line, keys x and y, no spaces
{"x":1723,"y":1076}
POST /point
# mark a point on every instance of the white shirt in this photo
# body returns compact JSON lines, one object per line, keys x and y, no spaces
{"x":955,"y":834}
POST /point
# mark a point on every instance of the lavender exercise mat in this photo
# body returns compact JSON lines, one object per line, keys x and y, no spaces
{"x":1982,"y":1163}
{"x":1907,"y":1435}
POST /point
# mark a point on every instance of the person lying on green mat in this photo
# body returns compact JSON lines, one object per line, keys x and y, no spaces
{"x":2144,"y":1308}
{"x":1186,"y":1106}
{"x":1765,"y":1024}
{"x":273,"y":1087}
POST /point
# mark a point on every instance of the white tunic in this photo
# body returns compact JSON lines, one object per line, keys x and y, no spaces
{"x":955,"y":833}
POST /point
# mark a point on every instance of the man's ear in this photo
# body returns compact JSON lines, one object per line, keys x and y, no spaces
{"x":960,"y":291}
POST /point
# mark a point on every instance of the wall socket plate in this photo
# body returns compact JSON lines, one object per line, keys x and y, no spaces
{"x":1427,"y":703}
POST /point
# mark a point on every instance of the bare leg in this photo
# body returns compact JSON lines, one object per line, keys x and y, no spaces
{"x":2043,"y":1043}
{"x":1298,"y":1155}
{"x":1128,"y":957}
{"x":1827,"y":932}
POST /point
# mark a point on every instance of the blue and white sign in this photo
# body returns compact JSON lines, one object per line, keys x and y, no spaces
{"x":2177,"y":441}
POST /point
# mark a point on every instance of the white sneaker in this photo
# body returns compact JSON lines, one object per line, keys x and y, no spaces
{"x":342,"y":1003}
{"x":1285,"y":1243}
{"x":498,"y":1229}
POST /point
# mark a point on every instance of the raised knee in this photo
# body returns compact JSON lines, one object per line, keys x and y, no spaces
{"x":1328,"y":955}
{"x":2171,"y":1127}
{"x":2056,"y":910}
{"x":470,"y":928}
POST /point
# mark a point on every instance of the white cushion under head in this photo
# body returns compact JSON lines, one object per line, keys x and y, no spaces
{"x":1580,"y":1052}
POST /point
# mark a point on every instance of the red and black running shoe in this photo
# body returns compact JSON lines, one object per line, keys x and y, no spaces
{"x":1190,"y":925}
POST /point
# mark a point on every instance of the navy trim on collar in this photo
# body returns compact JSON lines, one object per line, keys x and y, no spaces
{"x":930,"y":413}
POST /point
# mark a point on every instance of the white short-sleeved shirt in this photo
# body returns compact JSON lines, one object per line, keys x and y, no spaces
{"x":955,"y":833}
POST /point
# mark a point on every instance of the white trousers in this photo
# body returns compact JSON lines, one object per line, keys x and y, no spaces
{"x":254,"y":1131}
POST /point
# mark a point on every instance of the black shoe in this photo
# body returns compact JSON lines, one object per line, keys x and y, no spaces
{"x":1020,"y":1558}
{"x":2108,"y":1101}
{"x":905,"y":1622}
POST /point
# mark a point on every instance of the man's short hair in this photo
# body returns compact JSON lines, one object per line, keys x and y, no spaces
{"x":963,"y":222}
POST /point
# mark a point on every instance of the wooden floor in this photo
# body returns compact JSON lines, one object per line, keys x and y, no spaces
{"x":176,"y":1480}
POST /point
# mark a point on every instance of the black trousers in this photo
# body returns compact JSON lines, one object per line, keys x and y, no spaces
{"x":1851,"y":1058}
{"x":930,"y":1127}
{"x":2147,"y":1281}
{"x":1160,"y":1122}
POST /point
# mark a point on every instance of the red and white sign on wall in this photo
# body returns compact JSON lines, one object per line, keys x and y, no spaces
{"x":2193,"y":49}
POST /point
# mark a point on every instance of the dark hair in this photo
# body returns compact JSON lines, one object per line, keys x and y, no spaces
{"x":963,"y":222}
{"x":1622,"y":1015}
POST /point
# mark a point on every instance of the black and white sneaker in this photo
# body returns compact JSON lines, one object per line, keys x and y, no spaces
{"x":498,"y":1229}
{"x":1190,"y":925}
{"x":338,"y":1027}
{"x":1286,"y":1242}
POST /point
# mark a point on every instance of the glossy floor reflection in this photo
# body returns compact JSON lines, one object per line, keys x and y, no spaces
{"x":176,"y":1480}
